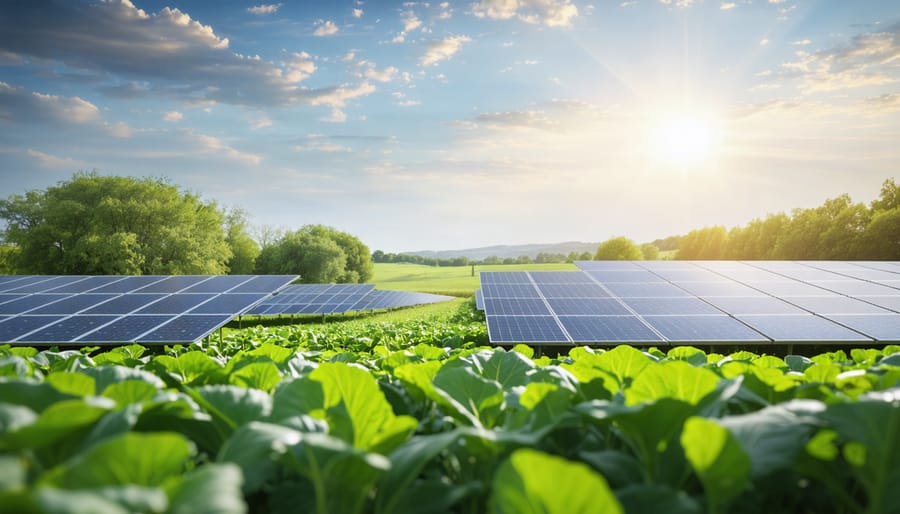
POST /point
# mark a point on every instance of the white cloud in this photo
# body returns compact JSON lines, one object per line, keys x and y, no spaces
{"x":119,"y":129}
{"x":408,"y":103}
{"x":319,"y":143}
{"x":410,"y":21}
{"x":298,"y":66}
{"x":763,"y":42}
{"x":727,"y":6}
{"x":777,"y":1}
{"x":399,"y":38}
{"x":336,"y":116}
{"x":18,"y":105}
{"x":173,"y":116}
{"x":357,"y":13}
{"x":325,"y":28}
{"x":801,"y":42}
{"x":264,"y":9}
{"x":349,"y":56}
{"x":214,"y":145}
{"x":553,"y":13}
{"x":51,"y":161}
{"x":261,"y":123}
{"x":386,"y":75}
{"x":338,"y":96}
{"x":677,"y":3}
{"x":442,"y":50}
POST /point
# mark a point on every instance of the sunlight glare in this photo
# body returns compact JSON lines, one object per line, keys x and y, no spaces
{"x":685,"y":141}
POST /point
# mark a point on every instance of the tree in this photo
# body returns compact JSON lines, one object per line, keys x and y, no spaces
{"x":649,"y":251}
{"x":244,"y":249}
{"x":889,"y":197}
{"x":881,"y":239}
{"x":618,"y":249}
{"x":703,"y":244}
{"x":97,"y":224}
{"x":319,"y":254}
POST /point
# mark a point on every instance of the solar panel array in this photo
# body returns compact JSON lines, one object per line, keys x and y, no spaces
{"x":339,"y":298}
{"x":696,"y":302}
{"x":150,"y":309}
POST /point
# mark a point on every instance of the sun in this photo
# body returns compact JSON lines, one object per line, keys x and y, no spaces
{"x":684,"y":142}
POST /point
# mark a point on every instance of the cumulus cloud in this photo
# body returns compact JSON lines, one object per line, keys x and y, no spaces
{"x":214,"y":145}
{"x":442,"y":50}
{"x":410,"y":21}
{"x":119,"y":129}
{"x":725,"y":6}
{"x":357,"y":13}
{"x":338,"y":96}
{"x":869,"y":59}
{"x":173,"y":116}
{"x":386,"y":75}
{"x":677,"y":3}
{"x":336,"y":116}
{"x":165,"y":54}
{"x":325,"y":28}
{"x":17,"y":104}
{"x":264,"y":9}
{"x":51,"y":161}
{"x":553,"y":13}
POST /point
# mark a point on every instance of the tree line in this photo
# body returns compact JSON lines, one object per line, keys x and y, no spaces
{"x":540,"y":258}
{"x":109,"y":225}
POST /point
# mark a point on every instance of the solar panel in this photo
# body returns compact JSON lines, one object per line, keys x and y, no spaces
{"x":509,"y":291}
{"x":835,"y":305}
{"x":719,"y":289}
{"x":645,"y":290}
{"x":516,"y":306}
{"x":604,"y":329}
{"x":782,"y":289}
{"x":607,"y":265}
{"x":120,"y":309}
{"x":682,"y":329}
{"x":881,"y":327}
{"x":886,"y":302}
{"x":856,"y":287}
{"x":754,"y":305}
{"x":479,"y":300}
{"x":525,"y":329}
{"x":694,"y":275}
{"x":800,"y":328}
{"x":586,"y":307}
{"x":670,"y":306}
{"x":333,"y":299}
{"x":560,"y":277}
{"x":572,"y":291}
{"x":625,"y":276}
{"x":505,"y":277}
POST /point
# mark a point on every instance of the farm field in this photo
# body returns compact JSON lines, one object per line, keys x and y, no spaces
{"x":449,"y":280}
{"x":411,"y":411}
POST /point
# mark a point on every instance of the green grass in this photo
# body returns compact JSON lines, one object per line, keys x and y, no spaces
{"x":451,"y":280}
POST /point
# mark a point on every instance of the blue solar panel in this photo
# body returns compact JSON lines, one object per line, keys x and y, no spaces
{"x":835,"y":305}
{"x":7,"y":297}
{"x":560,"y":277}
{"x":125,"y":304}
{"x":782,"y":289}
{"x":228,"y":303}
{"x":586,"y":307}
{"x":15,"y":327}
{"x":66,"y":330}
{"x":754,"y":305}
{"x":504,"y":277}
{"x":703,"y":328}
{"x":887,"y":302}
{"x":72,"y":304}
{"x":625,"y":276}
{"x":572,"y":291}
{"x":27,"y":303}
{"x":855,"y":287}
{"x":607,"y":329}
{"x":16,"y":282}
{"x":801,"y":327}
{"x":87,"y":284}
{"x":525,"y":329}
{"x":172,"y":284}
{"x":694,"y":275}
{"x":509,"y":291}
{"x":516,"y":306}
{"x":127,"y":328}
{"x":218,"y":284}
{"x":882,"y":327}
{"x":479,"y":300}
{"x":129,"y":284}
{"x":186,"y":329}
{"x":670,"y":306}
{"x":645,"y":290}
{"x":175,"y":304}
{"x":709,"y":289}
{"x":44,"y":284}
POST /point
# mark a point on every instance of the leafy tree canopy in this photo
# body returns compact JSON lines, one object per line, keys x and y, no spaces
{"x":618,"y":249}
{"x":96,"y":224}
{"x":319,"y":254}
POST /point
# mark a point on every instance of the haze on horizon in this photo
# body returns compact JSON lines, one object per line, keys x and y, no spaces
{"x":460,"y":124}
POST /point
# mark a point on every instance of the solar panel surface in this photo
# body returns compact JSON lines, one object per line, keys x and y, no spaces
{"x":122,"y":309}
{"x":338,"y":298}
{"x":699,"y":301}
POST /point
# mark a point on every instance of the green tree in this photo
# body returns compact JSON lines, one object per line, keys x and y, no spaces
{"x":319,"y":254}
{"x":618,"y":249}
{"x":881,"y":238}
{"x":96,"y":224}
{"x":758,"y":239}
{"x":650,"y":251}
{"x":703,"y":244}
{"x":244,"y":249}
{"x":889,"y":197}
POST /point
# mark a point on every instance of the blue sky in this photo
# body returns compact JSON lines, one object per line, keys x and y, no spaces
{"x":444,"y":125}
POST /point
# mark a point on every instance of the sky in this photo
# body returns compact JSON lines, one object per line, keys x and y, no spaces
{"x":459,"y":124}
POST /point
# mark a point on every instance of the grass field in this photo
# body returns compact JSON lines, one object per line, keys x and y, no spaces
{"x":450,"y":280}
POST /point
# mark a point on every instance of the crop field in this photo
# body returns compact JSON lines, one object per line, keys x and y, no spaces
{"x":449,"y":280}
{"x":414,"y":413}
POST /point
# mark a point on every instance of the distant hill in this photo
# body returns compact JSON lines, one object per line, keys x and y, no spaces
{"x":504,"y":251}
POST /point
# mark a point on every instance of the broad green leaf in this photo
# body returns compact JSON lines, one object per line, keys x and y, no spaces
{"x":521,"y":486}
{"x":769,"y":361}
{"x":417,"y":378}
{"x":256,"y":447}
{"x":15,"y":366}
{"x":108,"y":375}
{"x":36,"y":396}
{"x":14,"y":417}
{"x":657,"y":498}
{"x":296,"y":397}
{"x":356,"y":409}
{"x":277,"y":354}
{"x":718,"y":459}
{"x":146,"y":459}
{"x":72,"y":382}
{"x":798,"y":363}
{"x":474,"y":398}
{"x":509,"y":369}
{"x":341,"y":476}
{"x":58,"y":421}
{"x":429,"y":352}
{"x":13,"y":473}
{"x":210,"y":489}
{"x":234,"y":405}
{"x":689,"y":354}
{"x":542,"y":405}
{"x":56,"y":501}
{"x":130,"y":392}
{"x":524,"y":349}
{"x":674,"y":379}
{"x":259,"y":375}
{"x":619,"y":468}
{"x":192,"y":368}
